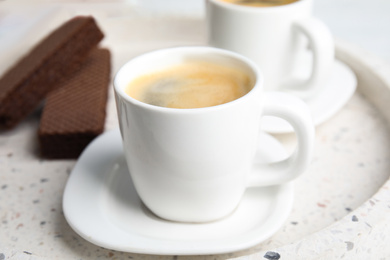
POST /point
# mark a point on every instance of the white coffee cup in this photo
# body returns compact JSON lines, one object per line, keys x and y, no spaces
{"x":275,"y":38}
{"x":193,"y":165}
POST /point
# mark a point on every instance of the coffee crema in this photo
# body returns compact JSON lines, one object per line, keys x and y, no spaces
{"x":191,"y":85}
{"x":260,"y":3}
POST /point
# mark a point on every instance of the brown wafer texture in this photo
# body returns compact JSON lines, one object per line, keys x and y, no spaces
{"x":74,"y":114}
{"x":54,"y":59}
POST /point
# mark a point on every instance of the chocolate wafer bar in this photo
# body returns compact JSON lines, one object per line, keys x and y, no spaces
{"x":74,"y":114}
{"x":54,"y":59}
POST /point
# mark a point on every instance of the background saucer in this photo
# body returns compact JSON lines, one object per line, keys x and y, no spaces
{"x":338,"y":90}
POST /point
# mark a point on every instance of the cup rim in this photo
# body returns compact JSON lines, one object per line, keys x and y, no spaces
{"x":258,"y":84}
{"x":267,"y":9}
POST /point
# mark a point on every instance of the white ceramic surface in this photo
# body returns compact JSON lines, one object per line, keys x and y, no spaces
{"x":339,"y":88}
{"x":101,"y":205}
{"x":193,"y":165}
{"x":274,"y":37}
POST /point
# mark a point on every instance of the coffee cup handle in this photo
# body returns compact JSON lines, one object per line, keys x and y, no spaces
{"x":296,"y":112}
{"x":322,"y":45}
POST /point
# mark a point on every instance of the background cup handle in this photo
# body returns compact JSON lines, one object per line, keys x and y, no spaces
{"x":322,"y":45}
{"x":296,"y":112}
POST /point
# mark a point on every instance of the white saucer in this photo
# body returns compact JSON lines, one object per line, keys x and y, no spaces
{"x":101,"y":205}
{"x":338,"y":90}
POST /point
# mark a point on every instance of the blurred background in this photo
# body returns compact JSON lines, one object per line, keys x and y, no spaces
{"x":363,"y":22}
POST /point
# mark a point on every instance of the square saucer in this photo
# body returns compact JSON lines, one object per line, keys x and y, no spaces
{"x":102,"y":206}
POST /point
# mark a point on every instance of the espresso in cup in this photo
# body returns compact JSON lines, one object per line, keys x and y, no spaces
{"x":192,"y":84}
{"x":260,"y":3}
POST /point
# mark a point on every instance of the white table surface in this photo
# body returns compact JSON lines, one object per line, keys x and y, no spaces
{"x":364,"y":23}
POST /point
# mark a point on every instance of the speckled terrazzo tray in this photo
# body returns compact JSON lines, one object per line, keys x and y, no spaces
{"x":342,"y":204}
{"x":352,"y":161}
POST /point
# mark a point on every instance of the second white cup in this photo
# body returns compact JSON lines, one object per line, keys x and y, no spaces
{"x":274,"y":38}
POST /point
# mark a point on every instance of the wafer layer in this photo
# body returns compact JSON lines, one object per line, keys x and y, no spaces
{"x":74,"y":114}
{"x":54,"y":59}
